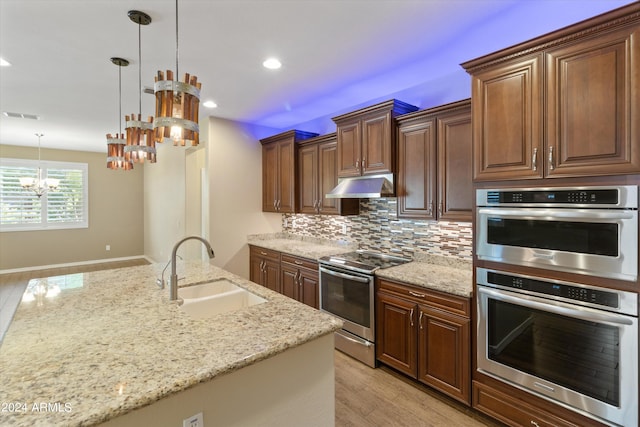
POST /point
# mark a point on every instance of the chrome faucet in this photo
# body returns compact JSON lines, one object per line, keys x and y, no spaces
{"x":173,"y":283}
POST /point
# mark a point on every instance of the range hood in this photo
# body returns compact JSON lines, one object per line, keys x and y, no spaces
{"x":363,"y":187}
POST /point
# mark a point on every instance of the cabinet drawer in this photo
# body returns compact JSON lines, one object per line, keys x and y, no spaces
{"x":264,"y":253}
{"x":443,"y":301}
{"x":300,"y":262}
{"x":512,"y":411}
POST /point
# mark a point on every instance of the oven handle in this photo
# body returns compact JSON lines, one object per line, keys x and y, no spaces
{"x":344,"y":276}
{"x":532,"y":302}
{"x":589,"y":214}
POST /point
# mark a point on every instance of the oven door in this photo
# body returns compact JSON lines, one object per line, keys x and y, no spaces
{"x":581,"y":358}
{"x":349,"y":296}
{"x":597,"y":242}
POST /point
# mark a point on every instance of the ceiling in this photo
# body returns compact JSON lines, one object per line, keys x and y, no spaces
{"x":336,"y":54}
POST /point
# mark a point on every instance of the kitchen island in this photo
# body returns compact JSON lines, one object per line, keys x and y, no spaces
{"x":108,"y":347}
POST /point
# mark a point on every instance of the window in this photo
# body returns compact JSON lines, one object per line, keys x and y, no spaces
{"x":66,"y":207}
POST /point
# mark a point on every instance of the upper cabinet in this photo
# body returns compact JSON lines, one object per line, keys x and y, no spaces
{"x":566,"y":104}
{"x":279,"y":167}
{"x":434,"y":163}
{"x":366,"y":139}
{"x":317,"y":175}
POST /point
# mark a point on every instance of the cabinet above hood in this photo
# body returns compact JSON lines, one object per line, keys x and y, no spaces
{"x":363,"y":187}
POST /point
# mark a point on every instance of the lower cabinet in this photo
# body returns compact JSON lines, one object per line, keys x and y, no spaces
{"x":299,"y":278}
{"x":289,"y":275}
{"x":265,"y":267}
{"x":426,"y":335}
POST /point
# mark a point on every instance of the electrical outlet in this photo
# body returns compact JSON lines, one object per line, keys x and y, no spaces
{"x":108,"y":247}
{"x":194,"y":421}
{"x":344,"y":228}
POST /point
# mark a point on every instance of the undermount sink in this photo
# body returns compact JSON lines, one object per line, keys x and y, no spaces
{"x":221,"y":296}
{"x":208,"y":289}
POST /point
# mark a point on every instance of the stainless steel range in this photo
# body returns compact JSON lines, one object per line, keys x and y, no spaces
{"x":347,"y":291}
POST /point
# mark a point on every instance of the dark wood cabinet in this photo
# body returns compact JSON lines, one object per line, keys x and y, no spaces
{"x":265,"y":267}
{"x":300,"y":279}
{"x":317,"y":176}
{"x":434,"y":163}
{"x":279,"y":169}
{"x":366,"y":139}
{"x":289,"y":275}
{"x":563,"y":105}
{"x":426,"y":335}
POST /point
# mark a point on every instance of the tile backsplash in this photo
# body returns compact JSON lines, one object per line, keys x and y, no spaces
{"x":378,"y":228}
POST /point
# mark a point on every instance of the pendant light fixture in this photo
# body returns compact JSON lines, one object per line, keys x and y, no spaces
{"x":39,"y":185}
{"x":140,"y":142}
{"x":115,"y":145}
{"x":177,"y":104}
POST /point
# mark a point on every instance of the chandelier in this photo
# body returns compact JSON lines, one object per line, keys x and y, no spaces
{"x":115,"y":145}
{"x":177,"y":104}
{"x":140,"y":142}
{"x":39,"y":185}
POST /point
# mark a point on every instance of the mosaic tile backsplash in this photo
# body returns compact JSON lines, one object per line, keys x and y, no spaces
{"x":378,"y":228}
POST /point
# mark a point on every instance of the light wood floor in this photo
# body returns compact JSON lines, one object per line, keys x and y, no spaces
{"x":365,"y":397}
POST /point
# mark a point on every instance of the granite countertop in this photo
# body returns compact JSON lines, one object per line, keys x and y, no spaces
{"x":111,"y":342}
{"x":298,"y":246}
{"x":434,"y":272}
{"x":450,"y":275}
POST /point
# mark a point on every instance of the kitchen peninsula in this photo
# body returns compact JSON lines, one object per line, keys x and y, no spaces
{"x":110,"y":348}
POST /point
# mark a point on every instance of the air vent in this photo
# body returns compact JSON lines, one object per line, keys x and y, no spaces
{"x":21,"y":115}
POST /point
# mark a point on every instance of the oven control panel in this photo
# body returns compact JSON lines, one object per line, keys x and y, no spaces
{"x":596,"y":197}
{"x":577,"y":293}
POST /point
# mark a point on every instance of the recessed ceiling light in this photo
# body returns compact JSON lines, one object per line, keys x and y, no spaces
{"x":4,"y":63}
{"x":210,"y":104}
{"x":272,"y":64}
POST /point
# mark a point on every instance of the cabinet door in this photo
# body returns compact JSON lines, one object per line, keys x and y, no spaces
{"x":309,"y":289}
{"x":455,"y":184}
{"x":377,"y":146}
{"x":272,"y":275}
{"x":308,"y":184}
{"x":417,"y":170}
{"x":444,"y":353}
{"x":349,"y":149}
{"x":255,"y":270}
{"x":593,"y":106}
{"x":328,"y":179}
{"x":289,"y":281}
{"x":396,"y":334}
{"x":270,"y":176}
{"x":507,"y":125}
{"x":287,"y":177}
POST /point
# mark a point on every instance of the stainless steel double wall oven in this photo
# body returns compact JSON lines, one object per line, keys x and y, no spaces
{"x":568,"y":341}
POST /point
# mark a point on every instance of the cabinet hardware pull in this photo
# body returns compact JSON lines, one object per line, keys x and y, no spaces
{"x":357,"y":164}
{"x":364,"y":161}
{"x":420,"y":319}
{"x":430,"y":209}
{"x":411,"y":317}
{"x":299,"y":279}
{"x":551,"y":165}
{"x":263,"y":253}
{"x":415,"y":294}
{"x":533,"y":423}
{"x":440,"y":207}
{"x":275,"y":204}
{"x":262,"y":266}
{"x":534,"y":159}
{"x":298,"y":262}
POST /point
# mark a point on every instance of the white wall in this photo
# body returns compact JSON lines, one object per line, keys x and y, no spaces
{"x":235,"y":191}
{"x":164,"y":202}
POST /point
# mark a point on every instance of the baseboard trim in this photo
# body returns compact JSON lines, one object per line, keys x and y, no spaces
{"x":73,"y":264}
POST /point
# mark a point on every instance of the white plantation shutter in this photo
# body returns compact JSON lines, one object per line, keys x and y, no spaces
{"x":20,"y":209}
